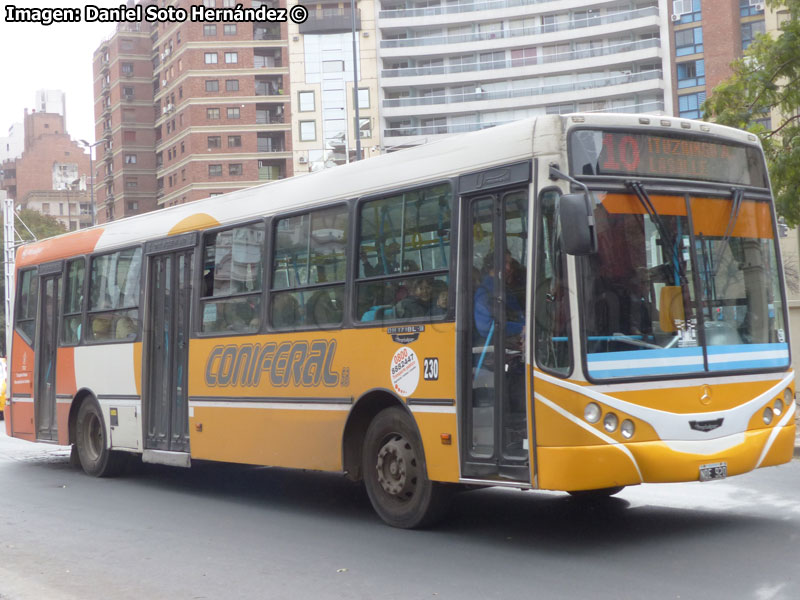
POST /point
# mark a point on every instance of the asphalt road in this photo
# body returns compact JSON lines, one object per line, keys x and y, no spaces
{"x":229,"y":532}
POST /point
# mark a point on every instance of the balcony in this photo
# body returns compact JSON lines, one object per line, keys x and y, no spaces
{"x":520,"y":31}
{"x":442,"y":128}
{"x":539,"y":59}
{"x":330,"y":20}
{"x":450,"y":9}
{"x":270,"y":143}
{"x":269,"y":87}
{"x":479,"y":95}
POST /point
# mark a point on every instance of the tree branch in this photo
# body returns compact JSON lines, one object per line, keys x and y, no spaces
{"x":785,"y":123}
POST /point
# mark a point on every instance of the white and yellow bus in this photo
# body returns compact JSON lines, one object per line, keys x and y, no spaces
{"x":575,"y":303}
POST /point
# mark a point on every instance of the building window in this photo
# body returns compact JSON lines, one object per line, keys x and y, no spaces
{"x":229,"y":29}
{"x":183,"y":148}
{"x":748,"y":9}
{"x":234,"y":141}
{"x":688,"y":10}
{"x":212,"y":85}
{"x":127,"y":68}
{"x":210,"y":58}
{"x":308,"y":131}
{"x":233,"y":113}
{"x":131,"y":183}
{"x":215,"y":170}
{"x":231,"y":58}
{"x":212,"y":114}
{"x":691,"y":73}
{"x":689,"y":105}
{"x":363,"y":97}
{"x":133,"y":205}
{"x":130,"y":159}
{"x":750,"y":31}
{"x":231,"y":85}
{"x":128,"y":136}
{"x":209,"y":30}
{"x":689,"y":41}
{"x":210,"y":3}
{"x":235,"y":169}
{"x":306,"y":100}
{"x":365,"y":128}
{"x":214,"y":141}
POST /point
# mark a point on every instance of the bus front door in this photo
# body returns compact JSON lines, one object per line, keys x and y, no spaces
{"x":45,"y":393}
{"x":494,"y":417}
{"x":166,"y":403}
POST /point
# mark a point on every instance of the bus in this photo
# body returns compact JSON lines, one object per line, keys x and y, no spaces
{"x":575,"y":303}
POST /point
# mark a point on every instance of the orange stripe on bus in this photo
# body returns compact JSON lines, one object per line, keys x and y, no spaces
{"x":194,"y":223}
{"x":710,"y":215}
{"x":74,"y":244}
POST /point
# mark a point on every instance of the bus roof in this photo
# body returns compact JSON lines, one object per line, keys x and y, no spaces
{"x":441,"y":159}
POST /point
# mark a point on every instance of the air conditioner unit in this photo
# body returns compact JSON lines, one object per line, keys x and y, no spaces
{"x":755,"y":2}
{"x":759,"y":6}
{"x":302,"y":160}
{"x":163,"y":82}
{"x":675,"y":17}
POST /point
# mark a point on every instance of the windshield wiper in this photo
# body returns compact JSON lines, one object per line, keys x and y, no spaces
{"x":736,"y":206}
{"x":647,"y":203}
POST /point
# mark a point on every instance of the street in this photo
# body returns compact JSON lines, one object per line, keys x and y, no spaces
{"x":227,"y":531}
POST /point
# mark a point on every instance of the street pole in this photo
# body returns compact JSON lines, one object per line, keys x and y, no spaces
{"x":91,"y":175}
{"x":355,"y":81}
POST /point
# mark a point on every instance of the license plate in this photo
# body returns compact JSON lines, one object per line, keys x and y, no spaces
{"x":713,"y":471}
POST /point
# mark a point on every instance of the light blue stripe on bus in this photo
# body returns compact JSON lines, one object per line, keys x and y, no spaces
{"x":687,"y":360}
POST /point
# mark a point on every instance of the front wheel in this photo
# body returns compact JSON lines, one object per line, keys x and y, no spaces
{"x":395,"y":474}
{"x":96,"y":458}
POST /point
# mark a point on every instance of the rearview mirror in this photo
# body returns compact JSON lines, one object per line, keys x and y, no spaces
{"x":578,"y":235}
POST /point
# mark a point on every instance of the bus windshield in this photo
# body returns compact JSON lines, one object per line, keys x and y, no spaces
{"x":682,"y":284}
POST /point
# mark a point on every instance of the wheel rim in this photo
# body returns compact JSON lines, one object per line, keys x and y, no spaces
{"x":94,"y":437}
{"x":397,"y":468}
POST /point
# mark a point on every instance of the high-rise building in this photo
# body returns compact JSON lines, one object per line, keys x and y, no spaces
{"x":707,"y":37}
{"x":448,"y":66}
{"x":323,"y":53}
{"x":190,"y":109}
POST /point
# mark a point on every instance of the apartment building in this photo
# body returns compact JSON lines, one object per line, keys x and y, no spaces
{"x":707,"y":37}
{"x":326,"y":59}
{"x":448,"y":66}
{"x":189,"y":110}
{"x":51,"y":173}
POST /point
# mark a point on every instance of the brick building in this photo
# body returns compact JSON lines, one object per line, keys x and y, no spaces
{"x":707,"y":37}
{"x":52,"y":173}
{"x":188,"y":110}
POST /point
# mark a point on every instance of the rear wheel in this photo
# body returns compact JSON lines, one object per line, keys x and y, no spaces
{"x":91,"y":440}
{"x":395,"y":474}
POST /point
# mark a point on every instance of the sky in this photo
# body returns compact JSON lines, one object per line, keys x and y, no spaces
{"x":54,"y":57}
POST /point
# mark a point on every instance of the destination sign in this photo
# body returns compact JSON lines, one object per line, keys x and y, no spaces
{"x":594,"y":152}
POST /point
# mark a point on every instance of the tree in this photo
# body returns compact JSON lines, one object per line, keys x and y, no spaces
{"x":763,"y":97}
{"x":42,"y":226}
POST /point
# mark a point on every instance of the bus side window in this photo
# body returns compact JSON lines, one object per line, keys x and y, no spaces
{"x":27,"y":299}
{"x":72,"y":320}
{"x":113,"y":311}
{"x":551,"y":294}
{"x":404,"y":240}
{"x":232,"y":280}
{"x":309,"y":267}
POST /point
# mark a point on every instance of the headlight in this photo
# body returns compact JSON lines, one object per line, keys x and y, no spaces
{"x":778,"y":407}
{"x":592,"y":412}
{"x":768,"y":415}
{"x":788,"y":397}
{"x":610,"y":422}
{"x":627,"y":429}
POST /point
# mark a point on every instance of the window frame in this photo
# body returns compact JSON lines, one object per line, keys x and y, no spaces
{"x":197,"y":297}
{"x":87,"y":313}
{"x":63,"y":308}
{"x":17,"y":304}
{"x":452,"y":256}
{"x":345,"y":284}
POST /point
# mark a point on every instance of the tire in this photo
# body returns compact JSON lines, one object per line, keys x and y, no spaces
{"x":596,"y":494}
{"x":395,"y":473}
{"x":91,"y":440}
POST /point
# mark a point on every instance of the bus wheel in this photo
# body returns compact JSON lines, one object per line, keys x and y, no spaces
{"x":395,"y":475}
{"x":91,"y":437}
{"x":593,"y":494}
